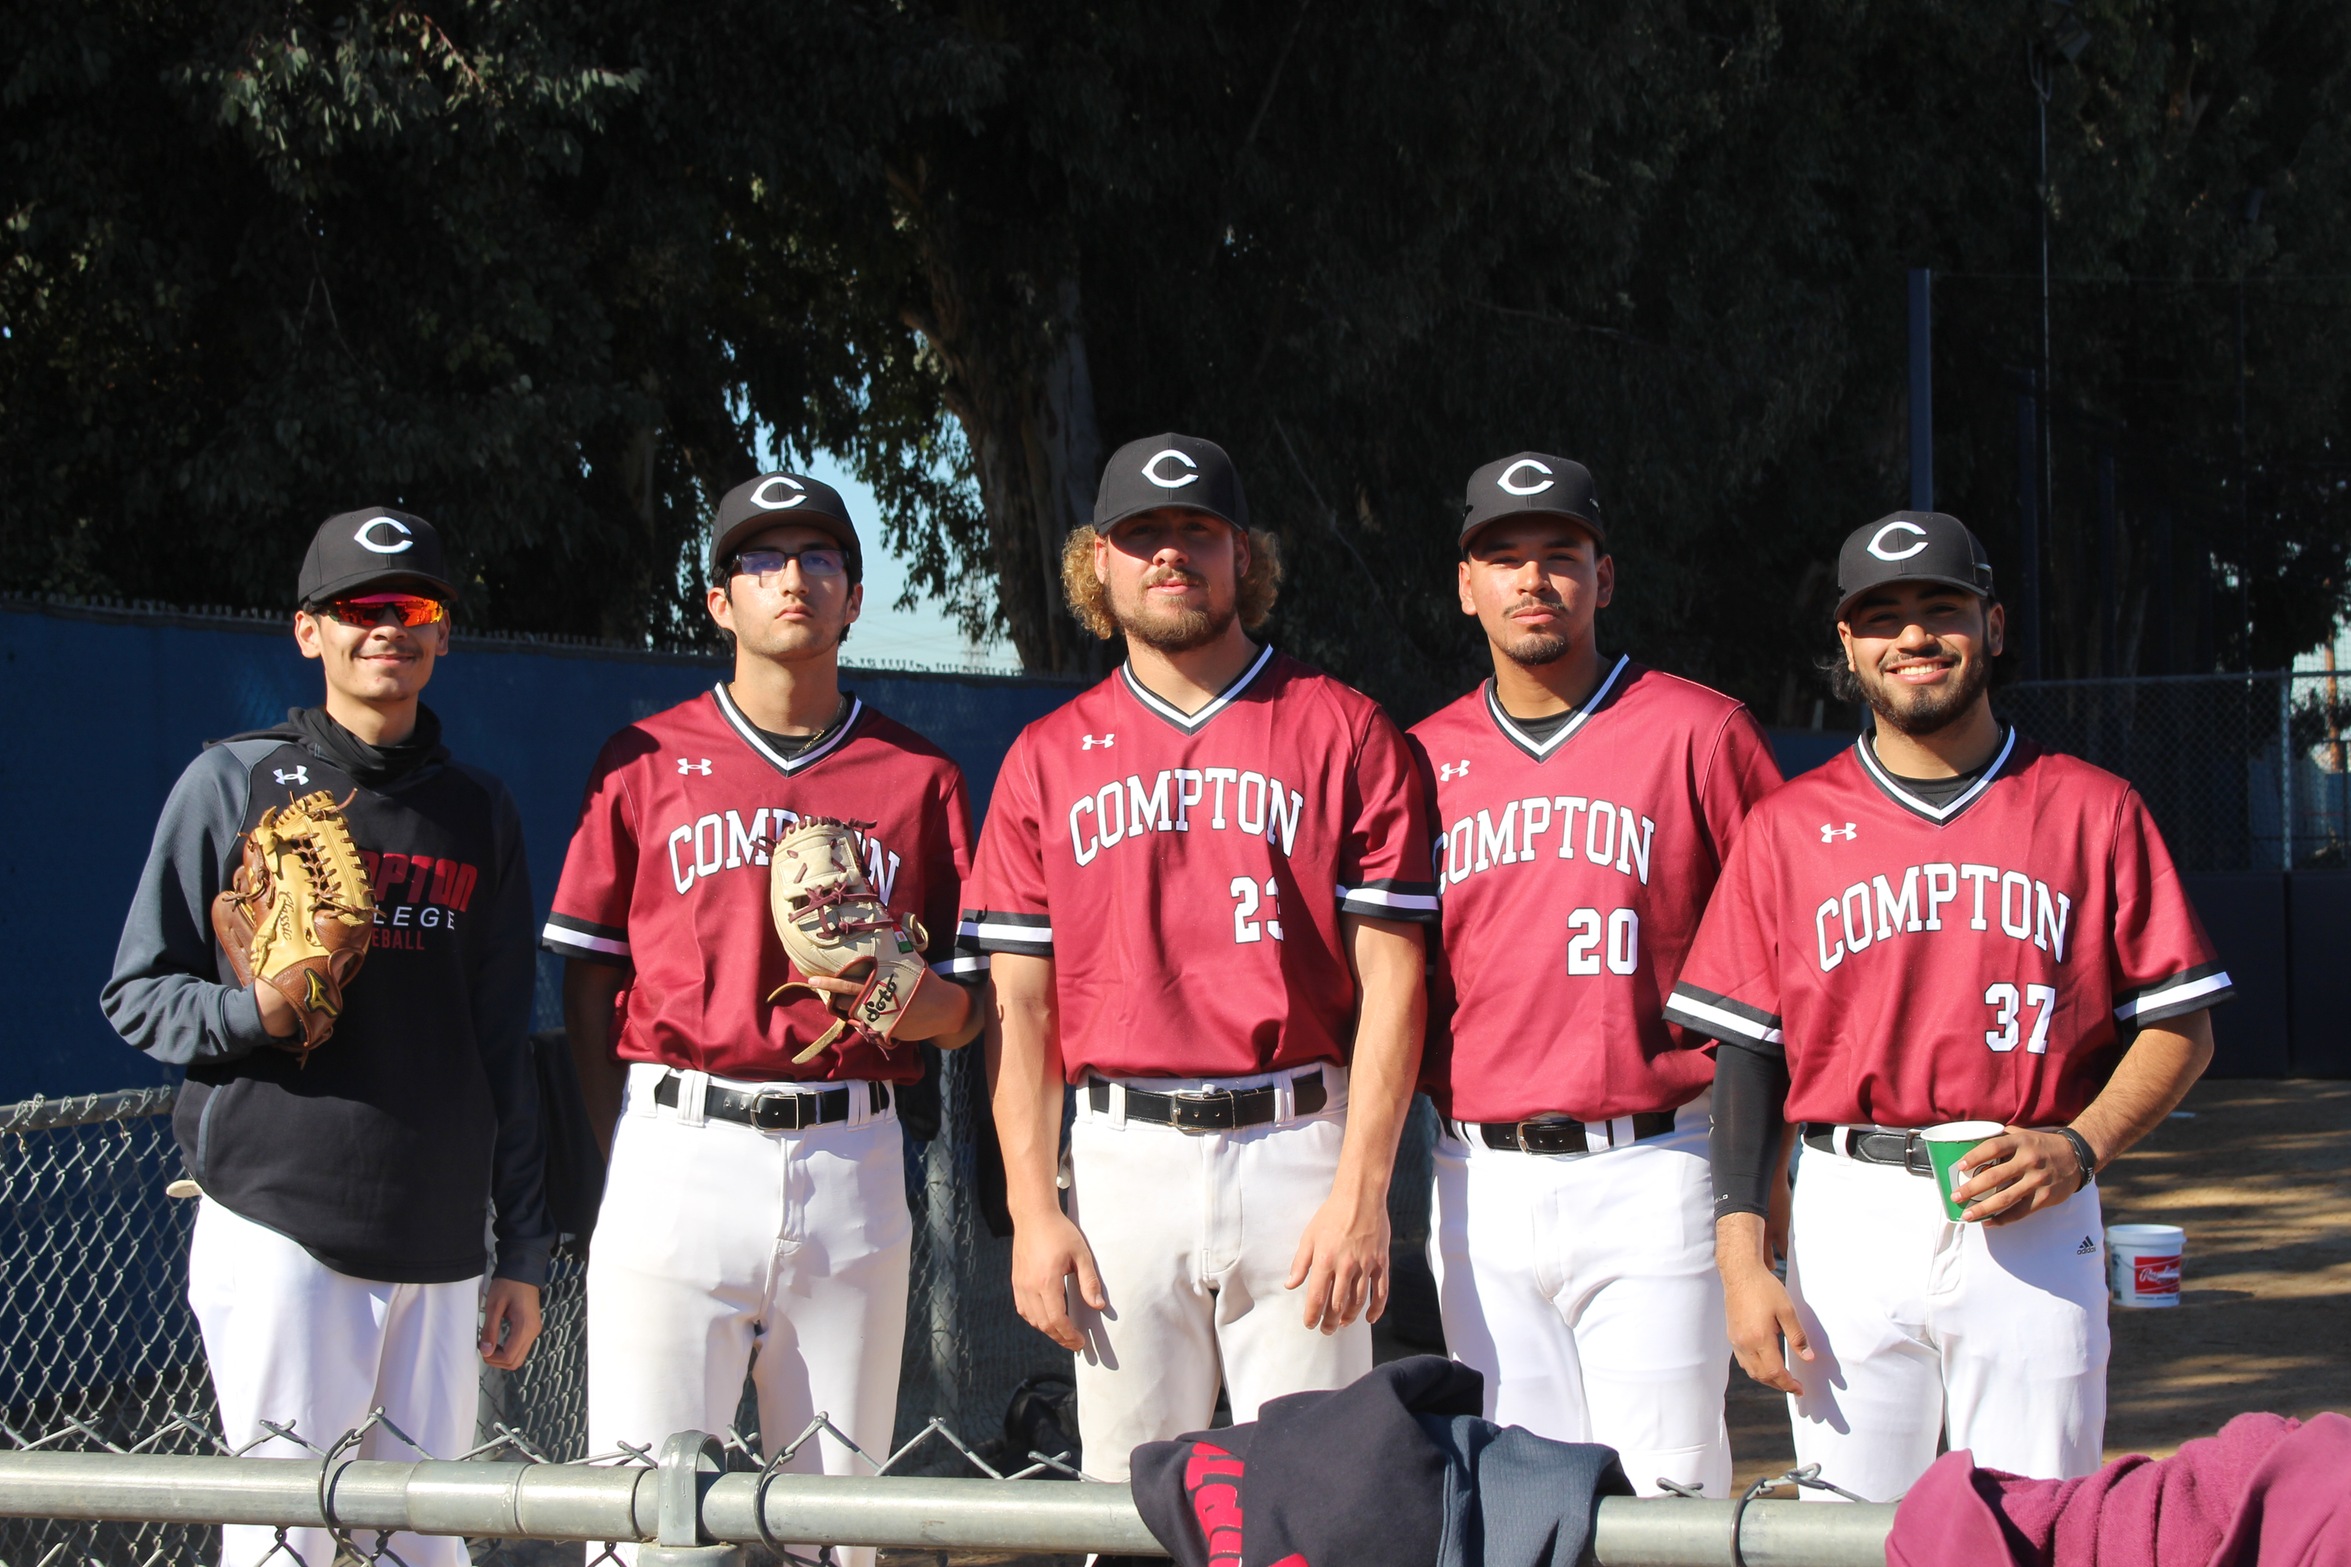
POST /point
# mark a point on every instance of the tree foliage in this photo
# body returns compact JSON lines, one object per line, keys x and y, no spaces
{"x":555,"y":273}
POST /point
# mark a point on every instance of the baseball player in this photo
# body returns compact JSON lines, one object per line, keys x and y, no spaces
{"x":755,"y":1210}
{"x":338,"y":1263}
{"x":1201,"y":884}
{"x":1586,"y":806}
{"x":1946,"y":923}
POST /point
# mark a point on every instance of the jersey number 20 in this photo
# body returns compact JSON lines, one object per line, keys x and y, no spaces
{"x":1585,"y":940}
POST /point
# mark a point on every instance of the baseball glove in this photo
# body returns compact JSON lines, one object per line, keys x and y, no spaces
{"x":298,"y":914}
{"x":832,"y":924}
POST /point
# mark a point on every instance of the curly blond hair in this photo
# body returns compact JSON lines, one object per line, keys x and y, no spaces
{"x":1089,"y":600}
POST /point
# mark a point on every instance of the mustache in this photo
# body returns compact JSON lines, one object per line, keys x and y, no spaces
{"x":1556,"y":606}
{"x":1161,"y":576}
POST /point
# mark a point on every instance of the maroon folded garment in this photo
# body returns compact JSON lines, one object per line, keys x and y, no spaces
{"x":2266,"y":1492}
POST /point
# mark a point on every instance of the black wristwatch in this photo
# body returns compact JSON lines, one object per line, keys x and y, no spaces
{"x":2082,"y":1153}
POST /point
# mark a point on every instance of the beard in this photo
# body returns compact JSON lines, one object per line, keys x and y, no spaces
{"x":1917,"y":710}
{"x":1171,"y":628}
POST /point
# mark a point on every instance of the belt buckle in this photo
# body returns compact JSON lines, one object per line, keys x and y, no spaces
{"x":1204,"y":1110}
{"x":779,"y":1110}
{"x":1915,"y":1157}
{"x":1543,"y":1124}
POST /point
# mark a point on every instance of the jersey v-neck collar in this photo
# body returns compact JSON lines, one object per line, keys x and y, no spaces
{"x":787,"y":765}
{"x":1542,"y":750}
{"x":1940,"y":815}
{"x":1193,"y":723}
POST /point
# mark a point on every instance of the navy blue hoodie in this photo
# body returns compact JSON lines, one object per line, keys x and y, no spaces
{"x":382,"y":1155}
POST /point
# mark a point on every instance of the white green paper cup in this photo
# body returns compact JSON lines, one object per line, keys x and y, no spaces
{"x":2143,"y":1263}
{"x":1945,"y":1146}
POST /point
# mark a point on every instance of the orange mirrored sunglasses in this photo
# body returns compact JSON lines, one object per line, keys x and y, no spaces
{"x":368,"y":609}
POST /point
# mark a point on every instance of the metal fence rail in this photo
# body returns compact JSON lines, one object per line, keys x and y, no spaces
{"x":688,"y":1500}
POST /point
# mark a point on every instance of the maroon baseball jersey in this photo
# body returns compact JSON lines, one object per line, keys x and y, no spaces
{"x":667,"y":873}
{"x":1187,"y":873}
{"x":1987,"y":959}
{"x":1574,"y":871}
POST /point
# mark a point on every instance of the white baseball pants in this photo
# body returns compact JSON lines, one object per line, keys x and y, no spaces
{"x":1583,"y":1287}
{"x":1995,"y":1336}
{"x":721,"y":1247}
{"x":293,"y":1342}
{"x":1194,"y":1233}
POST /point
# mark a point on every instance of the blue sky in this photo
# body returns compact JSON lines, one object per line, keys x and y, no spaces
{"x":924,"y":635}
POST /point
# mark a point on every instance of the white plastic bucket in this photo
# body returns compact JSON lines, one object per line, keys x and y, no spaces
{"x":2143,"y":1263}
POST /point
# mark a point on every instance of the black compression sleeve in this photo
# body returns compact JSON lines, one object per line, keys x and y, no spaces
{"x":1750,"y":1091}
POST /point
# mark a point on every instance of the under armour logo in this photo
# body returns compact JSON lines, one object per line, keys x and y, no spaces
{"x":1879,"y":547}
{"x":702,"y":767}
{"x":1151,"y":470}
{"x":1451,"y":771}
{"x":1088,"y":742}
{"x":1830,"y":832}
{"x":2086,"y":1247}
{"x":405,"y":541}
{"x":299,"y":777}
{"x":1509,"y":481}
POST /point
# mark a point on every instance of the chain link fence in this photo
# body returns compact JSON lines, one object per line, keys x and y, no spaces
{"x":2243,"y":772}
{"x":99,"y":1349}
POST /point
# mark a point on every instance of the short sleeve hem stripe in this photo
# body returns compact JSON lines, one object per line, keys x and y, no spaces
{"x":1401,"y":900}
{"x":965,"y":968}
{"x":2204,"y":986}
{"x":989,"y":930}
{"x":1720,"y":1017}
{"x":565,"y":934}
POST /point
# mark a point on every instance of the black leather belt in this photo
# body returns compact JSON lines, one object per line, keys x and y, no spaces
{"x":1555,"y":1134}
{"x":1880,"y":1145}
{"x":1214,"y":1109}
{"x":776,"y":1109}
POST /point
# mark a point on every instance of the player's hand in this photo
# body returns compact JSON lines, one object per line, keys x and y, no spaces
{"x":1761,"y":1316}
{"x":1342,"y":1261}
{"x":2020,"y":1171}
{"x":1046,"y":1251}
{"x":939,"y":1006}
{"x":510,"y":1309}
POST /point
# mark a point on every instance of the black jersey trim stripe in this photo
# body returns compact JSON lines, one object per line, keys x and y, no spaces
{"x":1940,"y":815}
{"x":2203,"y":986}
{"x":1402,"y":900}
{"x":1541,"y":750}
{"x":750,"y":736}
{"x":1191,"y":723}
{"x":581,"y":944}
{"x":1721,"y":1017}
{"x":965,"y":968}
{"x":572,"y":922}
{"x":985,"y":930}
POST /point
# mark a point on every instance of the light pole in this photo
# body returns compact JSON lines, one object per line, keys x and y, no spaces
{"x":2063,"y":34}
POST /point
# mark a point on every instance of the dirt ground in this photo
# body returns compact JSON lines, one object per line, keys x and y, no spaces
{"x":2260,"y":1176}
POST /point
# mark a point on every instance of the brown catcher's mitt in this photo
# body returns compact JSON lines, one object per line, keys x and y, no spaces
{"x":298,"y":915}
{"x":832,"y":924}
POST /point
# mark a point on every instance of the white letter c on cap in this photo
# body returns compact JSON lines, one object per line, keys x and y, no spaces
{"x":1509,"y":480}
{"x":1151,"y":469}
{"x":759,"y":496}
{"x":1877,"y":541}
{"x":364,"y":542}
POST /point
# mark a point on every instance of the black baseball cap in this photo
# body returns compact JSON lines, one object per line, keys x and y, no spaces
{"x":1169,"y":470}
{"x":373,"y":547}
{"x":773,"y":500}
{"x":1911,"y":546}
{"x":1531,"y":484}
